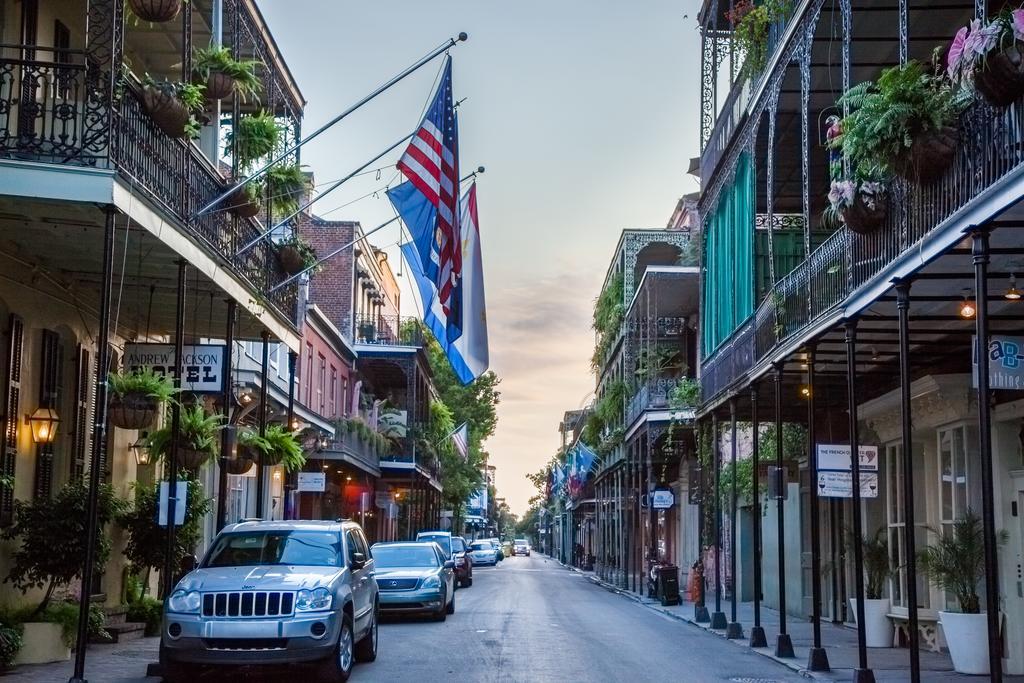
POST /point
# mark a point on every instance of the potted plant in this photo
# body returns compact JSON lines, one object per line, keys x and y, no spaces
{"x":251,"y":447}
{"x":156,"y":11}
{"x":862,"y":205}
{"x":284,"y":449}
{"x":136,"y":397}
{"x":286,"y":185}
{"x":255,"y":136}
{"x":990,"y":57}
{"x":295,"y":254}
{"x":906,"y":123}
{"x":222,"y":74}
{"x":197,"y":437}
{"x":751,"y":23}
{"x":878,"y":628}
{"x":956,"y":564}
{"x":173,"y":106}
{"x":11,"y":640}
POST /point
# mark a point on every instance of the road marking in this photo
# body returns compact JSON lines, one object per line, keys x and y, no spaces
{"x":481,"y":630}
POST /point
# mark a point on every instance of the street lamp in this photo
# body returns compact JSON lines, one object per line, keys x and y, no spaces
{"x":140,"y":449}
{"x":44,"y":423}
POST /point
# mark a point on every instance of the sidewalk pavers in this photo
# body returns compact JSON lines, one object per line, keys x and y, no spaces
{"x":113,"y":663}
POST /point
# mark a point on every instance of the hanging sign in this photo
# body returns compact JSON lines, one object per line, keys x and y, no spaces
{"x":835,"y":471}
{"x":180,"y":503}
{"x":1005,"y":362}
{"x":202,"y":366}
{"x":663,"y":499}
{"x":315,"y":482}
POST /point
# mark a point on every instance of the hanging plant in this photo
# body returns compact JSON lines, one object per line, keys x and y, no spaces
{"x":245,"y":201}
{"x":287,"y":185}
{"x":296,"y":255}
{"x":751,"y":24}
{"x":223,"y":74}
{"x":284,"y":449}
{"x":989,"y":57}
{"x":173,"y":106}
{"x":862,"y":205}
{"x":256,"y":136}
{"x":136,"y":397}
{"x":252,"y":446}
{"x":905,"y":123}
{"x":155,"y":11}
{"x":197,"y":439}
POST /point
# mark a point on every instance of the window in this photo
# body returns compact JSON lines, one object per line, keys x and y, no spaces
{"x":953,"y":447}
{"x":309,"y":374}
{"x":344,"y":396}
{"x":332,"y":401}
{"x":896,"y":530}
{"x":321,"y":383}
{"x":246,"y":549}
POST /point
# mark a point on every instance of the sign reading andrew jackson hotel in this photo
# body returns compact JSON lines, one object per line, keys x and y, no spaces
{"x":202,"y":366}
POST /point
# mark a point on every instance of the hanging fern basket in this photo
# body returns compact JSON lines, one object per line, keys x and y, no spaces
{"x":219,"y":85}
{"x":931,"y":155}
{"x":270,"y":459}
{"x":243,"y":205}
{"x":291,"y":259}
{"x":239,"y":465}
{"x":863,"y":217}
{"x":133,"y":411}
{"x":1000,"y":80}
{"x":191,"y":459}
{"x":167,"y":111}
{"x":155,"y":11}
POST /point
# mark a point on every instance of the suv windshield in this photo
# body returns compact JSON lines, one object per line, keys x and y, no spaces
{"x":482,"y":545}
{"x":443,"y":540}
{"x":458,"y":545}
{"x":307,"y":548}
{"x":404,"y":556}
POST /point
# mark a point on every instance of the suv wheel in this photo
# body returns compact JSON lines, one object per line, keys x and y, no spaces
{"x":338,"y":667}
{"x":442,"y":613}
{"x":451,"y":606}
{"x":366,"y":649}
{"x":177,"y":672}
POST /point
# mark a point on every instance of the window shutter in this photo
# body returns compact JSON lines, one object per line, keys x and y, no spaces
{"x":80,"y":447}
{"x":12,"y":404}
{"x":49,"y":397}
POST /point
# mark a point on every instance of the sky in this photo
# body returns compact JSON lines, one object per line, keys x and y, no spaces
{"x":584,"y":114}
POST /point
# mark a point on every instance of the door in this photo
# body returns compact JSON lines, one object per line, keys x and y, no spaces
{"x":362,"y":591}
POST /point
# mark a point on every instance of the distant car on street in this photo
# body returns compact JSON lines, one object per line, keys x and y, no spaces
{"x":454,"y":548}
{"x":483,"y":553}
{"x":415,"y":578}
{"x":507,"y":548}
{"x":497,"y":547}
{"x":521,"y":547}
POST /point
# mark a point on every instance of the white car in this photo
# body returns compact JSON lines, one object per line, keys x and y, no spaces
{"x":521,"y":547}
{"x":483,"y":553}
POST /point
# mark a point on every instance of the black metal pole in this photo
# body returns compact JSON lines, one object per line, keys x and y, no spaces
{"x":228,"y":398}
{"x":862,"y":674}
{"x":909,"y":524}
{"x":980,"y":254}
{"x":292,"y":476}
{"x":734,"y":629}
{"x":172,"y":456}
{"x":757,"y":634}
{"x":99,"y":439}
{"x":264,"y":373}
{"x":817,"y":658}
{"x":700,"y":609}
{"x":783,"y":644}
{"x":718,"y":617}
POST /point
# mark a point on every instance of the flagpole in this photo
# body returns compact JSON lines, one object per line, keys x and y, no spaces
{"x":450,"y":43}
{"x":259,"y":238}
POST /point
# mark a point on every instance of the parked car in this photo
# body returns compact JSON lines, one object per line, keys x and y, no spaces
{"x":415,"y":578}
{"x":442,"y":538}
{"x":521,"y":547}
{"x":497,"y":548}
{"x":483,"y":553}
{"x":507,"y":548}
{"x":463,"y":562}
{"x":275,"y":593}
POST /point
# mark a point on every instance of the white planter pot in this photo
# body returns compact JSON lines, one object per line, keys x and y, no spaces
{"x":878,"y":628}
{"x":42,"y":644}
{"x":967,"y":638}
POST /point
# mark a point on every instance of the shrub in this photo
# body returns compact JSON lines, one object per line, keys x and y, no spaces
{"x":148,"y":611}
{"x":12,"y":637}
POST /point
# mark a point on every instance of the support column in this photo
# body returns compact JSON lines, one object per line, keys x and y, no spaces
{"x":700,"y":608}
{"x":99,"y":438}
{"x":980,"y":254}
{"x":757,"y":635}
{"x":909,"y":524}
{"x":862,"y":674}
{"x":734,"y":629}
{"x":718,"y":617}
{"x":228,"y":399}
{"x":291,"y":481}
{"x":261,"y":475}
{"x":817,"y":659}
{"x":783,"y":643}
{"x":167,"y":576}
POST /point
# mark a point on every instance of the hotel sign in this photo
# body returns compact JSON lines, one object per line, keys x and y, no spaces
{"x":202,"y":366}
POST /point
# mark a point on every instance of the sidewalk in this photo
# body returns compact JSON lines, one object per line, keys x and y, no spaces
{"x":115,"y":663}
{"x":839,"y":641}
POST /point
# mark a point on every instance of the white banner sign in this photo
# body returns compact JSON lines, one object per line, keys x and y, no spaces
{"x":315,"y":482}
{"x":836,"y":458}
{"x":201,"y":368}
{"x":840,"y":484}
{"x":663,"y":499}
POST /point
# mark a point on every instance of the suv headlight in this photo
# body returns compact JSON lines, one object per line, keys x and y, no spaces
{"x":314,"y":600}
{"x":431,"y":582}
{"x":184,"y":602}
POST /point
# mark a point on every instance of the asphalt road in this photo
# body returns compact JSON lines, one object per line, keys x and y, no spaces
{"x":530,"y":620}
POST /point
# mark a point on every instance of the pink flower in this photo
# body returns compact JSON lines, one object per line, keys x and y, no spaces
{"x":956,"y":52}
{"x":1017,"y":22}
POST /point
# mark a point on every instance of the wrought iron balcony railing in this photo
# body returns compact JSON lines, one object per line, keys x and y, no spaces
{"x":388,"y":330}
{"x":652,"y":395}
{"x":991,"y":148}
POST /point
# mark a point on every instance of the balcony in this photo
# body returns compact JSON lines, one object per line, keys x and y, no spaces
{"x":388,"y":330}
{"x":652,"y":395}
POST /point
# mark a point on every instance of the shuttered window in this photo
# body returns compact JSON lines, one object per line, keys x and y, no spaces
{"x":51,"y":369}
{"x":12,"y":403}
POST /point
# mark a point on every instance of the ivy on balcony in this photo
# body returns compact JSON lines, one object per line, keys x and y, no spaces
{"x":609,"y":312}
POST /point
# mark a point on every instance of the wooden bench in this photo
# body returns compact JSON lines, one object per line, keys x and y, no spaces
{"x":927,"y":627}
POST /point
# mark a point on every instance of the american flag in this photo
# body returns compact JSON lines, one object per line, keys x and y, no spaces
{"x":431,"y":163}
{"x":460,"y":437}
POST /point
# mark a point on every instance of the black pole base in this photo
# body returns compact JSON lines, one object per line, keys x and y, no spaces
{"x":817,"y":660}
{"x":863,"y":676}
{"x":734,"y":631}
{"x":718,"y":621}
{"x":757,"y":637}
{"x":76,"y":679}
{"x":700,"y":614}
{"x":784,"y":646}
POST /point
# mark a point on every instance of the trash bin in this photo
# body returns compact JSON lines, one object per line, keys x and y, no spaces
{"x":668,"y":584}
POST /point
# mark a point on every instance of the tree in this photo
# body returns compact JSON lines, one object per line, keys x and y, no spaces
{"x":52,"y":532}
{"x":147,"y":541}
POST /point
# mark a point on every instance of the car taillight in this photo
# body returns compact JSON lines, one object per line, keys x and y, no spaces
{"x":459,"y":561}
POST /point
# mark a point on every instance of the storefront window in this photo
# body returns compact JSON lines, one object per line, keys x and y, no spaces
{"x":895,"y":516}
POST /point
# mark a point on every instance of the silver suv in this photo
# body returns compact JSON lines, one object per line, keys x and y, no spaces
{"x":275,"y":593}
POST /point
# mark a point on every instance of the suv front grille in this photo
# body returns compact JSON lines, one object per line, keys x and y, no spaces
{"x":246,"y":643}
{"x":397,"y":584}
{"x":245,"y":604}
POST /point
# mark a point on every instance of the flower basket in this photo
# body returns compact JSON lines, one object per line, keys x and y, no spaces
{"x":156,"y":11}
{"x":191,"y":459}
{"x":863,"y":217}
{"x":1000,"y":80}
{"x":931,"y":155}
{"x":243,"y":205}
{"x":219,"y":85}
{"x":239,"y":465}
{"x":167,"y":111}
{"x":133,"y":411}
{"x":291,"y":259}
